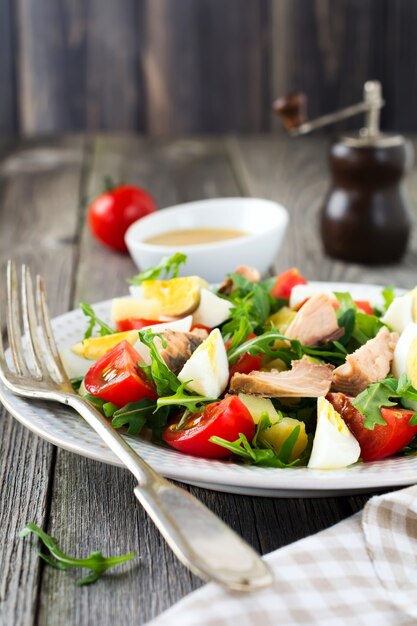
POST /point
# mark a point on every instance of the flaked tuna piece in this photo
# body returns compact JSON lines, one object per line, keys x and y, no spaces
{"x":250,"y":273}
{"x":179,"y":348}
{"x":304,"y":380}
{"x":368,"y":364}
{"x":315,"y":322}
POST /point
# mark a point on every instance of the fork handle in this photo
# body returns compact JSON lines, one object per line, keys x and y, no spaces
{"x":199,"y":538}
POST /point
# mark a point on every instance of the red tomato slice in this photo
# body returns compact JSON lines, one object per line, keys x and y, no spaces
{"x":383,"y":441}
{"x":225,"y":419}
{"x":116,"y":377}
{"x":134,"y":323}
{"x":285,"y":282}
{"x":202,"y":327}
{"x":365,"y":306}
{"x":246,"y":363}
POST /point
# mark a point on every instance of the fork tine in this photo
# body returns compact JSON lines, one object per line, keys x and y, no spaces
{"x":13,"y":320}
{"x":4,"y":368}
{"x":30,"y":324}
{"x":51,"y":347}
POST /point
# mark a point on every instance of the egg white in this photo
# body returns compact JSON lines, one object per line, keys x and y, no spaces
{"x":405,"y":359}
{"x":400,"y":312}
{"x":207,"y":369}
{"x":212,"y":310}
{"x":334,"y":446}
{"x":74,"y":365}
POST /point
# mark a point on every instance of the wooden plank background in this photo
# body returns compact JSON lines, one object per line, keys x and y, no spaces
{"x":169,"y":67}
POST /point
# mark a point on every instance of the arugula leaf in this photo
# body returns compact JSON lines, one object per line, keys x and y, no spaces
{"x":167,"y":268}
{"x":109,"y":409}
{"x":95,"y":561}
{"x":260,"y":452}
{"x":76,"y":382}
{"x":103,"y":328}
{"x":378,"y":395}
{"x":366,"y":327}
{"x":251,"y":302}
{"x":347,"y":320}
{"x":182,"y":398}
{"x":345,"y":302}
{"x":133,"y":415}
{"x":388,"y":294}
{"x":165,"y":381}
{"x":291,"y":350}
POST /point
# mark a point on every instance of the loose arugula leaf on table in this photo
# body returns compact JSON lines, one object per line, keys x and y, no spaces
{"x":386,"y":393}
{"x":167,"y":268}
{"x":182,"y":398}
{"x":95,"y":561}
{"x":165,"y":381}
{"x":94,"y":320}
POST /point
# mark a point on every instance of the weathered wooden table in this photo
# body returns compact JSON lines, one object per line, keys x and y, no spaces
{"x":44,"y":188}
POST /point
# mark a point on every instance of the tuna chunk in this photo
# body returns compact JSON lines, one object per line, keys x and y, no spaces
{"x":179,"y":348}
{"x":250,"y":273}
{"x":315,"y":322}
{"x":369,"y":364}
{"x":304,"y":380}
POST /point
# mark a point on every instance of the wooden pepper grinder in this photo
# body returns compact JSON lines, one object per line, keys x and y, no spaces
{"x":365,"y":218}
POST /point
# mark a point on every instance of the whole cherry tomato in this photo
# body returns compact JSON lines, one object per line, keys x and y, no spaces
{"x":227,"y":419}
{"x":116,"y":377}
{"x":112,"y":212}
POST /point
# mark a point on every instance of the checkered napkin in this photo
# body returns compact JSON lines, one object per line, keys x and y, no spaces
{"x":362,"y":571}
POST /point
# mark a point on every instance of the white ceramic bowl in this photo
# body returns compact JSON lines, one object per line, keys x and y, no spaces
{"x":263,"y":220}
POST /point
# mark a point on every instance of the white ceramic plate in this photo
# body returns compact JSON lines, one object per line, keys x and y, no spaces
{"x":64,"y":428}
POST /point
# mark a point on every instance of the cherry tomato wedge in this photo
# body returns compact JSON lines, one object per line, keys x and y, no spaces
{"x":285,"y":282}
{"x":116,"y":377}
{"x":134,"y":323}
{"x":383,"y":441}
{"x":112,"y":212}
{"x":246,"y":363}
{"x":365,"y":306}
{"x":225,"y":419}
{"x":201,"y":327}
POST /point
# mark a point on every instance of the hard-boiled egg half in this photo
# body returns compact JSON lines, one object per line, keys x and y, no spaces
{"x":334,"y":446}
{"x":207,"y":369}
{"x":402,"y":311}
{"x":212,"y":310}
{"x":405,"y":359}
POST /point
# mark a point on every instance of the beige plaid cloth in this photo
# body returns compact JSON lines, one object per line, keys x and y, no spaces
{"x":363,"y":571}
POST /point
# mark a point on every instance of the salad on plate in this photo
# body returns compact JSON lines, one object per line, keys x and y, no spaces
{"x":274,"y":373}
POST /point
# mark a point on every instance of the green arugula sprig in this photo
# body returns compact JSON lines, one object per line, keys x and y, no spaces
{"x":292,"y":350}
{"x":158,"y":372}
{"x":386,"y":393}
{"x":182,"y":398}
{"x":359,"y":327}
{"x":94,"y":320}
{"x":251,"y":303}
{"x":167,"y":268}
{"x":259,"y":452}
{"x":95,"y":561}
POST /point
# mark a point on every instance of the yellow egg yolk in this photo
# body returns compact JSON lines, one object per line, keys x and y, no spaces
{"x":326,"y":410}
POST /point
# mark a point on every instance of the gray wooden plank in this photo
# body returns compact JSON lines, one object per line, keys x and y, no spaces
{"x":205,"y":66}
{"x":312,"y":50}
{"x":79,"y":65}
{"x":294,"y":172}
{"x":38,"y":201}
{"x":8,"y":112}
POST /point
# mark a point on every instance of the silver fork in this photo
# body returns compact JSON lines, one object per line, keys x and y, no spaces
{"x":199,"y":539}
